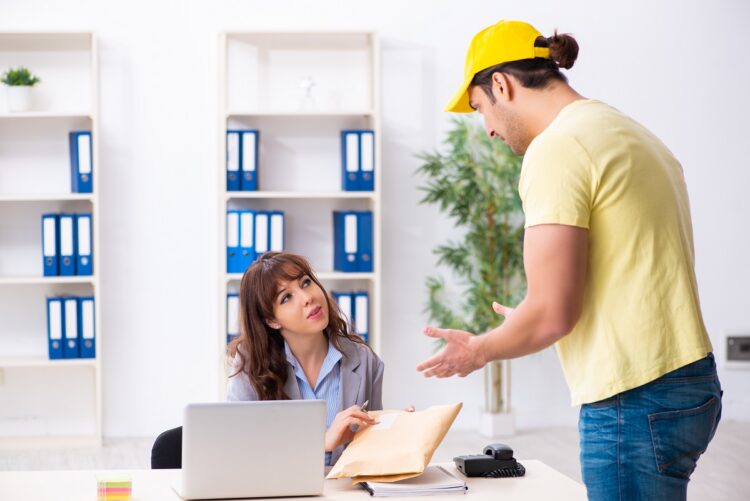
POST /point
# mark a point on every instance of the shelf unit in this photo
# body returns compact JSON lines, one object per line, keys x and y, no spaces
{"x":29,"y":362}
{"x":333,"y":195}
{"x":30,"y":197}
{"x":34,"y":280}
{"x":296,"y":113}
{"x":299,"y":167}
{"x":43,"y":114}
{"x":46,"y":403}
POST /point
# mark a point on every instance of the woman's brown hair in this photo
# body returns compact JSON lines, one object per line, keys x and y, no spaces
{"x":538,"y":72}
{"x":258,"y":352}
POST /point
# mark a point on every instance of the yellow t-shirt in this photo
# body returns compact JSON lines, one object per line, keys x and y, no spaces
{"x":593,"y":167}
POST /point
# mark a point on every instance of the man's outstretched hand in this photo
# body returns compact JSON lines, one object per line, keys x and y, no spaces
{"x":462,"y":353}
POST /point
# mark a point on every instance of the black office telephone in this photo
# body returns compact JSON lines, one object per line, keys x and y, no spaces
{"x":497,"y":461}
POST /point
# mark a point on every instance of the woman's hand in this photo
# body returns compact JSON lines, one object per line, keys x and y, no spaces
{"x":340,"y":431}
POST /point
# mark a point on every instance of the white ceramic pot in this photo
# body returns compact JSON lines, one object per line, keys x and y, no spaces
{"x":19,"y":97}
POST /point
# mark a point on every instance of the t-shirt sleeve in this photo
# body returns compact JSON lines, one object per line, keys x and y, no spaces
{"x":557,"y":183}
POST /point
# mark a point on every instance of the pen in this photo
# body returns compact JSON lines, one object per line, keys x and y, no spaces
{"x":362,"y":407}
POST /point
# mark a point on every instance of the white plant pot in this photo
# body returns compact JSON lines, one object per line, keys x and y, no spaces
{"x":19,"y":97}
{"x":496,"y":418}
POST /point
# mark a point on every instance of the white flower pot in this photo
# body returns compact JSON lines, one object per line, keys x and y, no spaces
{"x":19,"y":97}
{"x":496,"y":419}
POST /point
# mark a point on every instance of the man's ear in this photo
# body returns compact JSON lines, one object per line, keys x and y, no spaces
{"x":501,"y":86}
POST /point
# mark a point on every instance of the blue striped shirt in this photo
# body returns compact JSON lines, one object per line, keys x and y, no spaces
{"x":327,"y":386}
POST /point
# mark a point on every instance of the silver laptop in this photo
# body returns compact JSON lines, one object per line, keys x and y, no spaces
{"x":253,"y":449}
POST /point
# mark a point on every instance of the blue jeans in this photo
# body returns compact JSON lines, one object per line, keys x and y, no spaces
{"x":644,"y":443}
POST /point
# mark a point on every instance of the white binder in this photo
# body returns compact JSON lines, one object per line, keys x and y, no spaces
{"x":277,"y":232}
{"x":261,"y":233}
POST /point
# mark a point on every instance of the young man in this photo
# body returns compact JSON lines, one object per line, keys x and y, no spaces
{"x":609,"y":259}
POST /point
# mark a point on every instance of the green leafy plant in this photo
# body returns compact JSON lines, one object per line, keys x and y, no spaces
{"x":19,"y":77}
{"x":475,"y":182}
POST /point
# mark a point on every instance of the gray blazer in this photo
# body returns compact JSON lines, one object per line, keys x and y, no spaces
{"x":361,"y":380}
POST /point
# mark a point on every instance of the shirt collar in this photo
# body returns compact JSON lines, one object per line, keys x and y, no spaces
{"x":332,"y":358}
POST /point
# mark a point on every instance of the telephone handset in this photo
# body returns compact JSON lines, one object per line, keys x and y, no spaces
{"x":497,"y":461}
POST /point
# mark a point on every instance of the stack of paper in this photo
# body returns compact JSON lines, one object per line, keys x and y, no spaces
{"x":113,"y":487}
{"x":434,"y":480}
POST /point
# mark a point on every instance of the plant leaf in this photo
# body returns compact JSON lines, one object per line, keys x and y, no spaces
{"x":474,"y":181}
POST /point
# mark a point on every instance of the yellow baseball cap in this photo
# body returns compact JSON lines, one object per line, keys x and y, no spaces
{"x":502,"y":42}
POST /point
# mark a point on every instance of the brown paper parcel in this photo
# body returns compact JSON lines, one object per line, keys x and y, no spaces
{"x":397,"y":448}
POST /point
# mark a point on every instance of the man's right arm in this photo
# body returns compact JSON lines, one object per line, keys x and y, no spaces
{"x":555,"y":260}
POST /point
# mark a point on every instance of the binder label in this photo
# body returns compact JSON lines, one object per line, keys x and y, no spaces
{"x":277,"y":232}
{"x":55,"y":320}
{"x":261,"y":233}
{"x":361,"y":315}
{"x":368,"y":152}
{"x":233,"y":311}
{"x":84,"y":154}
{"x":71,"y":321}
{"x":233,"y":151}
{"x":352,"y":152}
{"x":248,"y":151}
{"x":345,"y":305}
{"x":49,"y":237}
{"x":87,"y":319}
{"x":233,"y":229}
{"x":66,"y":236}
{"x":246,"y":232}
{"x":350,"y":233}
{"x":84,"y":236}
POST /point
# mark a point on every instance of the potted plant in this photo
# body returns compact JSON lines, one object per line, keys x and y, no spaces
{"x":475,"y":182}
{"x":19,"y":82}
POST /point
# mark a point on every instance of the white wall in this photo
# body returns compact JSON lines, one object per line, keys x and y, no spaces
{"x":678,"y":67}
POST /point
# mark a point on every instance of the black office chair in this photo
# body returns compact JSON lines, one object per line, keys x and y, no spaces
{"x":167,"y":450}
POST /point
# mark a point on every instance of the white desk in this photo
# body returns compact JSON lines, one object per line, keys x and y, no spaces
{"x":540,"y":483}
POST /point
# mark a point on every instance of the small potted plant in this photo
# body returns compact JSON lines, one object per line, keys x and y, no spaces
{"x":474,"y":180}
{"x":19,"y":82}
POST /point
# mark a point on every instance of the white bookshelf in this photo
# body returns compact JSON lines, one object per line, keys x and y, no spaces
{"x":325,"y":275}
{"x":46,"y":403}
{"x":332,"y":195}
{"x":43,"y":114}
{"x":299,"y":113}
{"x":32,"y":197}
{"x":299,"y":169}
{"x":36,"y":280}
{"x":29,"y":362}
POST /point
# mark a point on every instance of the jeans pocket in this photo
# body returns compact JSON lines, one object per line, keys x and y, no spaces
{"x":680,"y":437}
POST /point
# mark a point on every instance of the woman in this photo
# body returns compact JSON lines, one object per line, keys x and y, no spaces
{"x":294,"y":344}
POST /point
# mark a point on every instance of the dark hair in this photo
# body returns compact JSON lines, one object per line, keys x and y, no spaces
{"x":259,"y":349}
{"x":535,"y":73}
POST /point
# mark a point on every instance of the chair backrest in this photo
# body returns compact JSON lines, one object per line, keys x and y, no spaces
{"x":167,"y":450}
